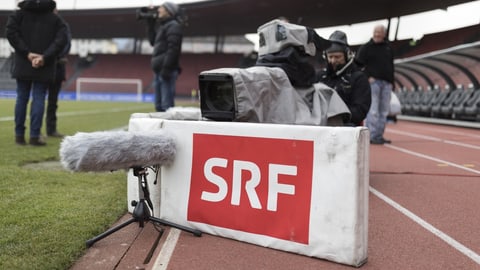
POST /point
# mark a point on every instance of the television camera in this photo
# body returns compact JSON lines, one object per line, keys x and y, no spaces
{"x":280,"y":88}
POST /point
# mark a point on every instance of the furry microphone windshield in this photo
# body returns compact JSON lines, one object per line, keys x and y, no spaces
{"x":116,"y":150}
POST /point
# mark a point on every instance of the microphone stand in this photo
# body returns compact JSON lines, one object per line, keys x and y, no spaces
{"x":141,"y":212}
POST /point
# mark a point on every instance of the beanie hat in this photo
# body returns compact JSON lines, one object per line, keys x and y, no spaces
{"x":339,"y":42}
{"x":171,"y":7}
{"x":38,"y":5}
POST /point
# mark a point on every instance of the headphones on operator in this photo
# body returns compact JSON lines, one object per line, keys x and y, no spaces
{"x":339,"y":43}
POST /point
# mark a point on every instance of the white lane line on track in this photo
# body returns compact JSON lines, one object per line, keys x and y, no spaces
{"x":449,"y":240}
{"x":458,"y":133}
{"x":161,"y":263}
{"x":431,"y":138}
{"x":431,"y":158}
{"x":11,"y":118}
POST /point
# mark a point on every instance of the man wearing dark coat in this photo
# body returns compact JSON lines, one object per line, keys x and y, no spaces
{"x":55,"y":88}
{"x":377,"y":60}
{"x":38,"y":37}
{"x":166,"y":40}
{"x":346,"y":79}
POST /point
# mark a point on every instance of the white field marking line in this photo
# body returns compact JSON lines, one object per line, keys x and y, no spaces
{"x":11,"y":118}
{"x":449,"y":240}
{"x":161,"y":263}
{"x":432,"y":158}
{"x":435,"y":139}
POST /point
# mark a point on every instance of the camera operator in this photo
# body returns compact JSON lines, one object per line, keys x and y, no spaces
{"x":166,"y":38}
{"x":346,"y":79}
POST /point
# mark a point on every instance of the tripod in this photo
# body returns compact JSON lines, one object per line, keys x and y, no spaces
{"x":141,"y":212}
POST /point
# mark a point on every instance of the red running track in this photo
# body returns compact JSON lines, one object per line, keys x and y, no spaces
{"x":423,"y":214}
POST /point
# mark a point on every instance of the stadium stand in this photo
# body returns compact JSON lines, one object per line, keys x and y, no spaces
{"x":437,"y":41}
{"x":6,"y":82}
{"x":193,"y":64}
{"x":449,"y":59}
{"x":135,"y":66}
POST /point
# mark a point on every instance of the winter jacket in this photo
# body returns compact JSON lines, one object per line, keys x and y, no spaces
{"x":352,"y":86}
{"x":167,"y":46}
{"x":61,"y":71}
{"x":377,"y":59}
{"x":34,"y":28}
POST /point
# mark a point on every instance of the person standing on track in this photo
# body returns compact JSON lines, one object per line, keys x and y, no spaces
{"x":376,"y":57}
{"x":166,"y":40}
{"x":54,"y":89}
{"x":38,"y":37}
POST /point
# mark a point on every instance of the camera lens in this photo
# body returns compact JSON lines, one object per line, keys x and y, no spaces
{"x":217,"y":97}
{"x":220,"y":96}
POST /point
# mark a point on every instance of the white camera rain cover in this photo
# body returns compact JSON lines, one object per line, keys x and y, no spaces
{"x":277,"y":35}
{"x":265,"y":95}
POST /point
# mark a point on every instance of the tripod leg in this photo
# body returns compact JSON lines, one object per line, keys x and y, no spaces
{"x":178,"y":226}
{"x":90,"y":242}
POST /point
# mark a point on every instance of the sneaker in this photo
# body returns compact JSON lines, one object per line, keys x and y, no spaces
{"x":55,"y":134}
{"x":37,"y":142}
{"x":20,"y":140}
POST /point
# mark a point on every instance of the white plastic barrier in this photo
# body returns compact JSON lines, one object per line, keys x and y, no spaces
{"x":302,"y":189}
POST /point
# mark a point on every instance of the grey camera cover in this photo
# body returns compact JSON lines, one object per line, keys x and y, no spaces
{"x":277,"y":35}
{"x":265,"y":95}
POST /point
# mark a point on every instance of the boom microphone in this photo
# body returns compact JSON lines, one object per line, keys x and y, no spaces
{"x":115,"y":150}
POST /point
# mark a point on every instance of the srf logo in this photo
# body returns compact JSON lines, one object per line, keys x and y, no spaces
{"x":256,"y":185}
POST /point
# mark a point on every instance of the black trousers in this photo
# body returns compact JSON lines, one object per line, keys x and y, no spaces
{"x":51,"y":116}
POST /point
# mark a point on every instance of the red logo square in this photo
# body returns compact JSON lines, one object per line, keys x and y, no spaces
{"x":250,"y":184}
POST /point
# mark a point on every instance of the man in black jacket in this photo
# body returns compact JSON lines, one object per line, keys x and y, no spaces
{"x":38,"y":36}
{"x":166,"y":40}
{"x":55,"y":88}
{"x":343,"y":76}
{"x":376,"y":57}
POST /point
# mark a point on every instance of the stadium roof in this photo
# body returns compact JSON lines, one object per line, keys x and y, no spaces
{"x":444,"y":64}
{"x":238,"y":17}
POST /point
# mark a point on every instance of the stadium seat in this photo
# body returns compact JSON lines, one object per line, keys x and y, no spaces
{"x":438,"y":102}
{"x":446,"y":107}
{"x":401,"y":93}
{"x":428,"y":99}
{"x":416,"y":101}
{"x":472,"y":106}
{"x":406,"y":100}
{"x":459,"y":105}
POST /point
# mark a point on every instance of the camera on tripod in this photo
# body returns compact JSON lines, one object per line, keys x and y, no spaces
{"x":280,"y":88}
{"x":146,"y":13}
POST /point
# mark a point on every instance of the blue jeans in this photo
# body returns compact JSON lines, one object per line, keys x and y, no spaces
{"x":377,"y":115}
{"x":37,"y":108}
{"x":165,"y":91}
